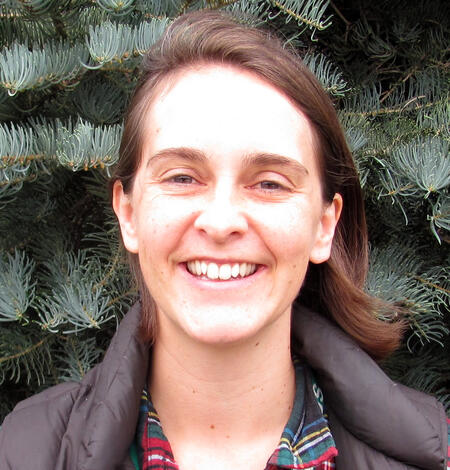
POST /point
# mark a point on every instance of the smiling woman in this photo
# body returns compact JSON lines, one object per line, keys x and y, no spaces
{"x":240,"y":206}
{"x":175,"y":76}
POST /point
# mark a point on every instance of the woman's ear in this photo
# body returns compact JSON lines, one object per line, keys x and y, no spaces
{"x":325,"y":232}
{"x":123,"y":207}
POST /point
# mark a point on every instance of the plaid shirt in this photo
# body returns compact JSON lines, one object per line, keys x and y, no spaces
{"x":306,"y":441}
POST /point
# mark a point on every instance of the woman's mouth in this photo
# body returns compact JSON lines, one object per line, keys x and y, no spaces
{"x":220,"y":271}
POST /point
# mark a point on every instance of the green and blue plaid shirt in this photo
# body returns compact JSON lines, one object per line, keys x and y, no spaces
{"x":306,"y":441}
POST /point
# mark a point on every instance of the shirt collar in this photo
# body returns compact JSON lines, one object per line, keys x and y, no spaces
{"x":306,"y":441}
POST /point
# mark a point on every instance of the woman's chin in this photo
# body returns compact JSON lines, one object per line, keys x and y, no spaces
{"x":221,"y":323}
{"x":221,"y":338}
{"x":226,"y":327}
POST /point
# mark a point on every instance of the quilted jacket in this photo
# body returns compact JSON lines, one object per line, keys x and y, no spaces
{"x":376,"y":423}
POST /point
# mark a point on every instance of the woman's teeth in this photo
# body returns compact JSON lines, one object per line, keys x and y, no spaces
{"x":223,"y":272}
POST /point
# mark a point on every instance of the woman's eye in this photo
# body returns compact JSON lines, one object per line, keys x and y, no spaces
{"x":270,"y":186}
{"x":182,"y":179}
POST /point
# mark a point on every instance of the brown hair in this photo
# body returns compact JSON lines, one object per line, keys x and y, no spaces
{"x":334,"y":288}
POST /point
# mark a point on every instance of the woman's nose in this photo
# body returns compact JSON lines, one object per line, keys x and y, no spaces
{"x":222,"y":215}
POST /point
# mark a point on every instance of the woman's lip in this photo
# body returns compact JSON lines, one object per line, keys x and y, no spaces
{"x":221,"y":260}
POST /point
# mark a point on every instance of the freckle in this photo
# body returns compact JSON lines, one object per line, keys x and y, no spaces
{"x":212,"y":426}
{"x":294,"y":266}
{"x":193,"y":391}
{"x":257,"y":344}
{"x":262,"y":389}
{"x":228,"y":437}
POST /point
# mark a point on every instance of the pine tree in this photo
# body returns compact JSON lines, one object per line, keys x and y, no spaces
{"x":67,"y":68}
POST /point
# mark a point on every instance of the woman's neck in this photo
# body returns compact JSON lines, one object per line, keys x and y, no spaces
{"x":220,"y":397}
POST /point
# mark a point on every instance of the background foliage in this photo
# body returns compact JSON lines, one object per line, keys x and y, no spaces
{"x":67,"y":68}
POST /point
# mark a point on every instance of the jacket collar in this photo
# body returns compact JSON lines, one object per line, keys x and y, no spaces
{"x":111,"y":412}
{"x":369,"y":405}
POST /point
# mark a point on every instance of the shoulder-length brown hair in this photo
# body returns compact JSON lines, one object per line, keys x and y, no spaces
{"x":334,"y":288}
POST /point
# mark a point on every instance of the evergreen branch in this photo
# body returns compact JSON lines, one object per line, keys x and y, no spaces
{"x":73,"y":300}
{"x":407,"y":75}
{"x":79,"y":357}
{"x":79,"y":145}
{"x":423,"y":162}
{"x":20,"y":160}
{"x":24,"y":352}
{"x":23,"y":69}
{"x":34,"y":8}
{"x":440,"y":218}
{"x":356,"y":132}
{"x":123,"y":295}
{"x":184,"y":6}
{"x":376,"y":47}
{"x":110,"y":272}
{"x":58,"y":23}
{"x":435,"y":118}
{"x":15,"y":141}
{"x":147,"y":33}
{"x":18,"y":28}
{"x":425,"y":329}
{"x":432,"y":284}
{"x":10,"y":160}
{"x":328,"y":75}
{"x":215,"y":4}
{"x":109,"y":41}
{"x":17,"y":290}
{"x":160,"y":9}
{"x":307,"y":12}
{"x":10,"y":185}
{"x":115,"y":41}
{"x":17,"y":182}
{"x":402,"y":190}
{"x":365,"y":101}
{"x":394,"y":186}
{"x":251,"y":12}
{"x":116,"y":7}
{"x":394,"y":110}
{"x":78,"y":306}
{"x":430,"y":83}
{"x":390,"y":279}
{"x":99,"y":101}
{"x":107,"y":249}
{"x":84,"y":146}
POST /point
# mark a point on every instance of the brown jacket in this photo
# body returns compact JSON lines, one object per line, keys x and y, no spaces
{"x":377,"y":424}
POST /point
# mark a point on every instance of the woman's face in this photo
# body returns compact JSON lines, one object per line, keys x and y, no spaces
{"x":226,"y":209}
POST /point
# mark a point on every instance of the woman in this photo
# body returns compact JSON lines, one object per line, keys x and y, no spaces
{"x":237,"y":197}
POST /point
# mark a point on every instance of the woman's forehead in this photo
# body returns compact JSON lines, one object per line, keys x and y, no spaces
{"x":213,"y":105}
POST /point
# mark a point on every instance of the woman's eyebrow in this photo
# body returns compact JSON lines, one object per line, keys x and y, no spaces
{"x":185,"y":153}
{"x":250,"y":160}
{"x":273,"y":159}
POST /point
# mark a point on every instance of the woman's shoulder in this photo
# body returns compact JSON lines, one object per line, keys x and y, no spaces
{"x":30,"y":436}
